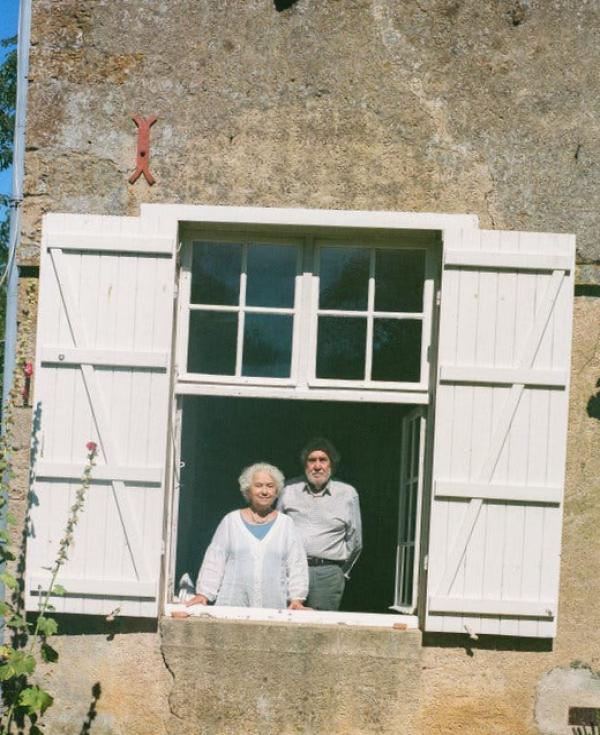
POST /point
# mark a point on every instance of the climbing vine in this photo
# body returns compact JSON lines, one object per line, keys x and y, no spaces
{"x":27,"y":641}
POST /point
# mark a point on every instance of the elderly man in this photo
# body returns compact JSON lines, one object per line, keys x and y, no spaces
{"x":327,"y":515}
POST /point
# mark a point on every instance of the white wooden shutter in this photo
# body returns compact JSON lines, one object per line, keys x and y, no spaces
{"x":500,"y":433}
{"x":103,"y":374}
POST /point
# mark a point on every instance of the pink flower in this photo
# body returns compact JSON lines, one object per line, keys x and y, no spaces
{"x":28,"y":369}
{"x":91,"y":447}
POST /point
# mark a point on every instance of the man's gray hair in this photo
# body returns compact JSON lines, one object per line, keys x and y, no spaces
{"x":245,"y":479}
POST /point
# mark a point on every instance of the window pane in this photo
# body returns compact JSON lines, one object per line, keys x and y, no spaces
{"x":267,"y":345}
{"x":341,"y":348}
{"x":344,"y":278}
{"x":397,"y":350}
{"x":212,"y":342}
{"x":399,"y":276}
{"x":271,"y":275}
{"x":216,"y":269}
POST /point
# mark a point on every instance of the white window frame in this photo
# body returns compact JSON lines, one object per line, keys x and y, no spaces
{"x":303,"y":382}
{"x":321,"y":223}
{"x":425,"y":316}
{"x":185,"y":307}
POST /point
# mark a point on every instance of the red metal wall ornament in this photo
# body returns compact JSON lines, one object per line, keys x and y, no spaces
{"x":143,"y":149}
{"x":27,"y":373}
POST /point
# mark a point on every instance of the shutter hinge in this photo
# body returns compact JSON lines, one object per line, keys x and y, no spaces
{"x":175,"y":291}
{"x":426,"y":562}
{"x":438,"y":297}
{"x":162,"y":547}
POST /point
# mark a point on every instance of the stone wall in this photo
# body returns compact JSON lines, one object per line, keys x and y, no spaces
{"x":437,"y":105}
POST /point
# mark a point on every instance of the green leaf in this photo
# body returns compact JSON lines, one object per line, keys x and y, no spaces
{"x":49,"y":654}
{"x":47,"y":626}
{"x":9,"y":580}
{"x":11,"y":519}
{"x":5,"y":608}
{"x":58,"y":591}
{"x":17,"y":621}
{"x":18,"y":664}
{"x":35,"y":700}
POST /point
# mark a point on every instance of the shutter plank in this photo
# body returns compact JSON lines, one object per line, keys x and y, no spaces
{"x":106,"y":358}
{"x":502,"y":376}
{"x":90,"y":586}
{"x":478,"y":260}
{"x":520,"y":493}
{"x":83,"y":241}
{"x":101,"y":473}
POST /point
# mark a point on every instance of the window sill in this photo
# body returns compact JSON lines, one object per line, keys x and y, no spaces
{"x":311,"y":617}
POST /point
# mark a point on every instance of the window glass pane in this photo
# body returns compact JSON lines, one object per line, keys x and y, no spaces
{"x":397,"y":350}
{"x":271,"y":275}
{"x":399,"y":276}
{"x":216,"y":269}
{"x":212,"y":342}
{"x":341,"y":348}
{"x":267,"y":345}
{"x":343,"y":278}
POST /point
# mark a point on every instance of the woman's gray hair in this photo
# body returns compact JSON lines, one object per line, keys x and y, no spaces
{"x":245,"y":479}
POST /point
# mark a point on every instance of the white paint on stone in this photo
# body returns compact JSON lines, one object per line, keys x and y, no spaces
{"x":560,"y":689}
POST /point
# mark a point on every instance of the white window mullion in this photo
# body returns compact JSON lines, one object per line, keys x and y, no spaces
{"x":428,"y":299}
{"x":213,"y":307}
{"x":241,"y":315}
{"x":185,"y":280}
{"x":313,"y":316}
{"x":268,"y":310}
{"x":302,"y":312}
{"x":400,"y":315}
{"x":370,"y":310}
{"x":340,"y":312}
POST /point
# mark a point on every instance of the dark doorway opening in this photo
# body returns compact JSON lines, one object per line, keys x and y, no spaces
{"x":222,"y":435}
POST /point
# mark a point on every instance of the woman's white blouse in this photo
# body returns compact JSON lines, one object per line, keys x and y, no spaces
{"x":243,"y":571}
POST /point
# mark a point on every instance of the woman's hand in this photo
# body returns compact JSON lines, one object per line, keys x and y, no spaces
{"x":197,"y":600}
{"x":297,"y":605}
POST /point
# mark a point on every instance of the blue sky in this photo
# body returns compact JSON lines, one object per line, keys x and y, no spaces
{"x":9,"y":14}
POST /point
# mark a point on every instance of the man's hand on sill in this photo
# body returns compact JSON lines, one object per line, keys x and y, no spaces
{"x":197,"y":600}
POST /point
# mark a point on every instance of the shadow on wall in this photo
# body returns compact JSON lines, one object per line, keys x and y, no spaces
{"x":86,"y":728}
{"x":486,"y":643}
{"x":284,"y":4}
{"x":593,"y":405}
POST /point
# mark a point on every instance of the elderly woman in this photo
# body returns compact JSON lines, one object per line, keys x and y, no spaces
{"x":256,"y":557}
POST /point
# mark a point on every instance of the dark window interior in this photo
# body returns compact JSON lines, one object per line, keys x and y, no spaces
{"x":221,"y":435}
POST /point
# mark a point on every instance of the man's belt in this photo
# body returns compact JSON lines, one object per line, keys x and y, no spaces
{"x":314,"y":561}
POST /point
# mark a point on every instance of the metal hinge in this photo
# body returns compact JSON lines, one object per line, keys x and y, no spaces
{"x":438,"y":297}
{"x":425,"y":562}
{"x":175,"y":291}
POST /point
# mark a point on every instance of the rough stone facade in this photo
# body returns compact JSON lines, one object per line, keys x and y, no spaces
{"x":437,"y":105}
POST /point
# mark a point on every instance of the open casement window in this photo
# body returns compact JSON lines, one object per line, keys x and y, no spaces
{"x":304,"y":313}
{"x":500,"y":433}
{"x":409,"y":510}
{"x":103,"y":374}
